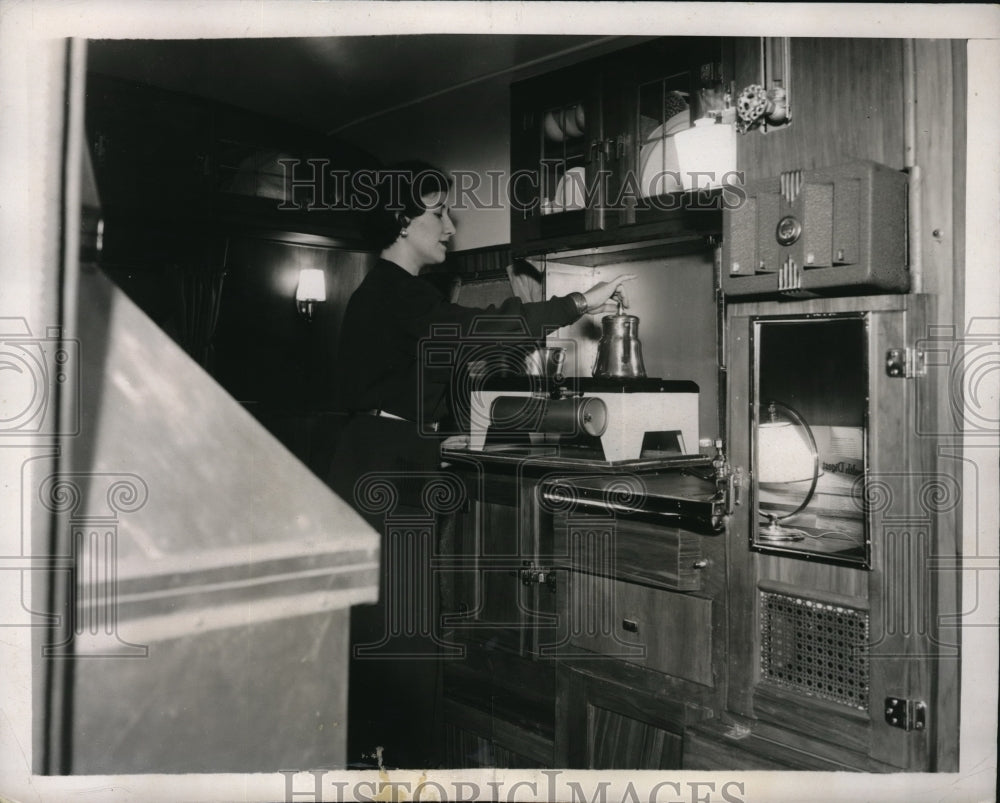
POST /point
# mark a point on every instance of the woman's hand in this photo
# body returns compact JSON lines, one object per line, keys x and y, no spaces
{"x":599,"y":296}
{"x":455,"y":442}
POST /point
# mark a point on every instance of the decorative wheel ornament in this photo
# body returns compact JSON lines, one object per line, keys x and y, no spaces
{"x":756,"y":105}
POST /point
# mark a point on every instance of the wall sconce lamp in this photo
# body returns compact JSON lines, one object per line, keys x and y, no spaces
{"x":311,"y":289}
{"x":786,"y":454}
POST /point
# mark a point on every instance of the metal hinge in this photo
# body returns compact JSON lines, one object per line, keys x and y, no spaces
{"x":728,"y":479}
{"x":909,"y":715}
{"x":905,"y":363}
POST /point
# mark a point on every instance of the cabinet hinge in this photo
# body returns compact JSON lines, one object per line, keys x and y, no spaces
{"x":728,"y":480}
{"x":909,"y":715}
{"x":905,"y":363}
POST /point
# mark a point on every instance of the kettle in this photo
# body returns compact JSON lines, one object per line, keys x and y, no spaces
{"x":619,"y":354}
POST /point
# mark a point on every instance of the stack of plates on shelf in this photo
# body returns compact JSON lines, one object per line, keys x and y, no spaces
{"x":571,"y":190}
{"x":659,"y":167}
{"x":562,"y":124}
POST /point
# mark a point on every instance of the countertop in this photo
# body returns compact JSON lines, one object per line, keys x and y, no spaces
{"x":675,"y":489}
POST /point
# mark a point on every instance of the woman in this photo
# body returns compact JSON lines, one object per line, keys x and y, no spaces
{"x":394,"y":407}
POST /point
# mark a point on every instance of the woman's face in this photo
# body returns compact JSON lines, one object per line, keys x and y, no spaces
{"x":429,"y":233}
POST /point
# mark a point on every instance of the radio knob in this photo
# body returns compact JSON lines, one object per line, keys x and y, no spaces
{"x":788,"y":231}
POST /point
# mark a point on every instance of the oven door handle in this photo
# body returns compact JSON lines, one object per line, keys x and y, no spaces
{"x":712,"y":521}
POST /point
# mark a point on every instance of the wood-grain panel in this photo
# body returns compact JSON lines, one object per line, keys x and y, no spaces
{"x":630,"y":550}
{"x":619,"y":742}
{"x":818,"y":577}
{"x":662,"y":630}
{"x":826,"y":721}
{"x":941,"y":131}
{"x":741,"y":563}
{"x":717,"y":746}
{"x":604,"y":724}
{"x":847,"y":103}
{"x":475,"y":738}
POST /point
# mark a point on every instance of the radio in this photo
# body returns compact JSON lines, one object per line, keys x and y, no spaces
{"x":833,"y":231}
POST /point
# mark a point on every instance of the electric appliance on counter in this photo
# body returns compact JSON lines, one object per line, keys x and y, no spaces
{"x":618,"y":416}
{"x":582,"y":419}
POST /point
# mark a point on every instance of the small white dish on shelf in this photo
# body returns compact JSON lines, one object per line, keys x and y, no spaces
{"x":659,"y":168}
{"x":571,"y":190}
{"x":679,"y":122}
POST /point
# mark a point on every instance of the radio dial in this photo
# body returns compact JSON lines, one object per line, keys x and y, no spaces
{"x":788,"y":231}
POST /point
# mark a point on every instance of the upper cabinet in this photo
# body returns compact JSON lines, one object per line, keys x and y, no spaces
{"x":632,"y":145}
{"x":555,"y":155}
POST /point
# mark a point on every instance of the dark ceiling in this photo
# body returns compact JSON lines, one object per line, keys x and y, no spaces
{"x":330,"y":83}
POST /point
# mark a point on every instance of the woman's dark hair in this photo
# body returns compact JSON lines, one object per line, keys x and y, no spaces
{"x":399,"y":190}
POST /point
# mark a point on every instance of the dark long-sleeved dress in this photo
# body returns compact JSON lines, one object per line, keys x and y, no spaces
{"x":394,"y":667}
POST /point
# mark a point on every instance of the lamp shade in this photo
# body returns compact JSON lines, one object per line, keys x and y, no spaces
{"x":312,"y":285}
{"x":783,"y":453}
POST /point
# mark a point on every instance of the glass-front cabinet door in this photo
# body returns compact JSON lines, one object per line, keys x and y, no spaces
{"x":809,"y":435}
{"x":841,"y":636}
{"x":620,"y":140}
{"x":556,"y":154}
{"x":673,"y":132}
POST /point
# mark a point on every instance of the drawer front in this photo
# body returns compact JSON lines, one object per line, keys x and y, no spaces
{"x":653,"y":554}
{"x":660,"y":630}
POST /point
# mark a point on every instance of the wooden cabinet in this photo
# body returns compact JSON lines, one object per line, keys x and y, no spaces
{"x":555,"y":154}
{"x":498,"y":699}
{"x":609,"y":723}
{"x":641,"y":649}
{"x":836,"y":633}
{"x":495,"y":598}
{"x":566,"y":615}
{"x":592,"y":154}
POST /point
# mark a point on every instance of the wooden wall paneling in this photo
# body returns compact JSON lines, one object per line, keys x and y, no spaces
{"x":478,"y":263}
{"x":267,"y":353}
{"x":847,"y":103}
{"x":949,"y":523}
{"x":901,"y":654}
{"x":940,"y":153}
{"x":935,"y":149}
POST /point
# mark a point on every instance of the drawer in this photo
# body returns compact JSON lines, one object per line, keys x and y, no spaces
{"x":653,"y":554}
{"x":661,"y":630}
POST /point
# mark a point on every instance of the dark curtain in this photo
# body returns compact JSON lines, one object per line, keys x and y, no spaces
{"x":199,"y":297}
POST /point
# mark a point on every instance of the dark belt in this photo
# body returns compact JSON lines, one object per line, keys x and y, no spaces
{"x":432,"y":426}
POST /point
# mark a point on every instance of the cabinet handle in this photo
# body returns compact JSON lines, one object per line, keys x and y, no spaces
{"x":630,"y":625}
{"x":700,"y":564}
